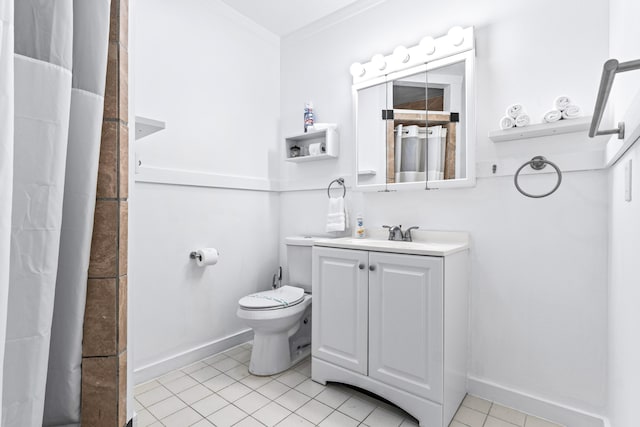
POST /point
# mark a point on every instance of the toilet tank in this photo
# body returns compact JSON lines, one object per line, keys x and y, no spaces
{"x":299,"y":261}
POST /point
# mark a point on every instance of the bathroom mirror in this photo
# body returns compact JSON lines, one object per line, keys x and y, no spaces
{"x":415,"y":127}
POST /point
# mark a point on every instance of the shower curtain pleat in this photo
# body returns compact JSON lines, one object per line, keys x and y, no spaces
{"x":60,"y":68}
{"x":42,"y":103}
{"x":90,"y":46}
{"x":6,"y":165}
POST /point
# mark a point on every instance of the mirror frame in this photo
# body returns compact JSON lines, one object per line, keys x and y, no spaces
{"x":470,"y":126}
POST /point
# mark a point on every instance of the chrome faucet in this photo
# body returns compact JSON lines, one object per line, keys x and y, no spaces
{"x":396,"y":233}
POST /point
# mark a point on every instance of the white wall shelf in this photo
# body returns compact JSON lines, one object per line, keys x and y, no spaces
{"x":367,"y":172}
{"x":303,"y":159}
{"x":146,"y":126}
{"x":543,"y":129}
{"x":328,"y":138}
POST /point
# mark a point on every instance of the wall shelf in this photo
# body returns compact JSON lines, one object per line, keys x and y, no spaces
{"x":366,"y":172}
{"x":146,"y":126}
{"x":543,"y":129}
{"x":302,"y":159}
{"x":328,"y":138}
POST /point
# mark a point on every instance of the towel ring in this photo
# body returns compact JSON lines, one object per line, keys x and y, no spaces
{"x":538,"y":163}
{"x":339,"y":181}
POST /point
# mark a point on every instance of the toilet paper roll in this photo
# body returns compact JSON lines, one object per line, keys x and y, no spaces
{"x":207,"y":256}
{"x":315,"y":149}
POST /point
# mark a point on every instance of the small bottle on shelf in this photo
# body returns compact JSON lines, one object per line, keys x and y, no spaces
{"x":308,"y":115}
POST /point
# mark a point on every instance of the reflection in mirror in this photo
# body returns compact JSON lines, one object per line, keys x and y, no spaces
{"x":371,"y":131}
{"x":424,"y":138}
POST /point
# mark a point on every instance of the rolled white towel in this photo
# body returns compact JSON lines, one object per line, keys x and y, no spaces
{"x":514,"y":110}
{"x":552,"y":116}
{"x":507,"y":123}
{"x":571,"y":112}
{"x":561,"y":103}
{"x":522,"y":120}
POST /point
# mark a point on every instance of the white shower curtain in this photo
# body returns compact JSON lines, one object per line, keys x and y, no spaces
{"x":59,"y":66}
{"x":6,"y":164}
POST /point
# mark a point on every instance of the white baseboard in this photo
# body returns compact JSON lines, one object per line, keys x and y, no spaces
{"x":535,"y":405}
{"x":161,"y":367}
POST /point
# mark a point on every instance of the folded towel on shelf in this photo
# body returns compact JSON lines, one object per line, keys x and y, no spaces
{"x":514,"y":110}
{"x":552,"y":116}
{"x":522,"y":120}
{"x":571,"y":112}
{"x":337,"y":216}
{"x":507,"y":123}
{"x":561,"y":103}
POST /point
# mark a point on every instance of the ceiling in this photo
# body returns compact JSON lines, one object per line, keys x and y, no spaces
{"x":283,"y":17}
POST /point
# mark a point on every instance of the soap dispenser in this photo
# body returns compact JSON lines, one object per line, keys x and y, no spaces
{"x":360,"y":231}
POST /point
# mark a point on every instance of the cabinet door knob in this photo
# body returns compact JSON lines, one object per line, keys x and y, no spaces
{"x":361,"y":266}
{"x":372,"y":268}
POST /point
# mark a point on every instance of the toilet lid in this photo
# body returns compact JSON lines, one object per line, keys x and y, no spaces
{"x":284,"y":296}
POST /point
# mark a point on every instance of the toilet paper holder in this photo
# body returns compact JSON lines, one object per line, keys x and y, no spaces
{"x":195,"y":255}
{"x":200,"y":256}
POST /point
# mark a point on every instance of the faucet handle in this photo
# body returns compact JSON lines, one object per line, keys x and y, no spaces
{"x":390,"y":228}
{"x":407,"y":233}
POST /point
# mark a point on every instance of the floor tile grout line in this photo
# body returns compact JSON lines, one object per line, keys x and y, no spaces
{"x":487,"y":414}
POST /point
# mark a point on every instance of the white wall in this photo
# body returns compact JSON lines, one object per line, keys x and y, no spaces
{"x":178,"y":306}
{"x":539,"y":287}
{"x":624,"y":230}
{"x":213,"y":76}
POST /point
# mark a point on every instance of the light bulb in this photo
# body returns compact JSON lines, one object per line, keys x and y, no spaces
{"x":401,"y":54}
{"x":456,"y":35}
{"x":379,"y":61}
{"x":357,"y":69}
{"x":428,"y":45}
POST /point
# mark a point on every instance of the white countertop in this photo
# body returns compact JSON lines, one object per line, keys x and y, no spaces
{"x":425,"y":242}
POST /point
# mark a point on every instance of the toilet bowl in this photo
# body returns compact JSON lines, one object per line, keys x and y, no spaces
{"x":281,"y":317}
{"x":280,"y":324}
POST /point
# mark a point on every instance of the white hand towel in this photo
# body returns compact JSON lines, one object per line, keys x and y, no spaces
{"x":571,"y":112}
{"x":552,"y":116}
{"x":561,"y":103}
{"x":515,"y":110}
{"x":522,"y":120}
{"x":507,"y":123}
{"x":337,"y":219}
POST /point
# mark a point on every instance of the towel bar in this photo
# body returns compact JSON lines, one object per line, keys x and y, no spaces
{"x":609,"y":71}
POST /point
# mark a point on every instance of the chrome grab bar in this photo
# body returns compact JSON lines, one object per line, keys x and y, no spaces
{"x":609,"y":71}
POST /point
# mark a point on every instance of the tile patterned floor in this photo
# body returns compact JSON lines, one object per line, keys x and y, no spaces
{"x":219,"y":391}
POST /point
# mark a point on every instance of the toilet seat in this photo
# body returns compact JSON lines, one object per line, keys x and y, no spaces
{"x":276,"y":299}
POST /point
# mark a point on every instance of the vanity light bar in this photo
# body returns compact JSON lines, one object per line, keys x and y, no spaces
{"x":457,"y":40}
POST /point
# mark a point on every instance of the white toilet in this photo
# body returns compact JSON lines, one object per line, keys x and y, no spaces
{"x":281,"y":318}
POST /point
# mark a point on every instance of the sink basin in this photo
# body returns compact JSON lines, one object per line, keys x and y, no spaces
{"x":434,"y":243}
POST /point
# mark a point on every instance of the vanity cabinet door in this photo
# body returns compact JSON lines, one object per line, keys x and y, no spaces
{"x":339,"y":309}
{"x":405,"y":323}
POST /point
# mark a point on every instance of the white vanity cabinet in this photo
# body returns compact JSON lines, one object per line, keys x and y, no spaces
{"x":405,"y":322}
{"x":394,"y":324}
{"x":342,"y":303}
